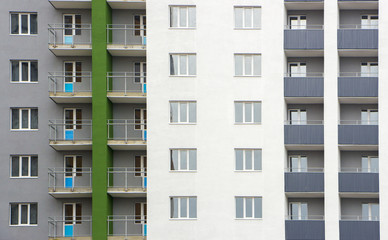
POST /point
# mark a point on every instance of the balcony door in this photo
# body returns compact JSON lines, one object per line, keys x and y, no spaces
{"x":141,"y":216}
{"x":370,"y":212}
{"x":141,"y":75}
{"x":369,"y":21}
{"x":369,"y":117}
{"x":140,"y":22}
{"x":369,"y":69}
{"x":370,"y":164}
{"x":141,"y":121}
{"x":298,"y":211}
{"x":73,"y":169}
{"x":141,"y":169}
{"x":73,"y":74}
{"x":71,"y":27}
{"x":297,"y":69}
{"x":297,"y":22}
{"x":72,"y":215}
{"x":298,"y":164}
{"x":297,"y":117}
{"x":73,"y":121}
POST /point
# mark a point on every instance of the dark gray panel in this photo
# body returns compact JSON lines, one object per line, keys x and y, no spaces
{"x":303,"y":87}
{"x":303,"y":0}
{"x":357,"y":0}
{"x":358,"y":38}
{"x":303,"y":134}
{"x":358,"y":182}
{"x":303,"y":182}
{"x":359,"y":230}
{"x":358,"y":134}
{"x":303,"y":39}
{"x":358,"y":87}
{"x":305,"y":230}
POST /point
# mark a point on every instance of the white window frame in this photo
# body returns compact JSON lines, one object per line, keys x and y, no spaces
{"x":20,"y":14}
{"x":244,"y":121}
{"x":299,"y":168}
{"x":21,"y":166}
{"x":20,"y":213}
{"x":143,"y":168}
{"x":186,"y":7}
{"x":369,"y":20}
{"x":178,"y":70}
{"x":299,"y":65}
{"x":243,"y":18}
{"x":370,"y":217}
{"x":142,"y":75}
{"x":299,"y":20}
{"x":187,"y":112}
{"x":299,"y":216}
{"x":74,"y":216}
{"x":244,"y":150}
{"x":369,"y":121}
{"x":298,"y":121}
{"x":244,"y":207}
{"x":20,"y":120}
{"x":244,"y":63}
{"x":73,"y":24}
{"x":21,"y":71}
{"x":142,"y":213}
{"x":143,"y":119}
{"x":141,"y":27}
{"x":369,"y":73}
{"x":179,"y":169}
{"x":369,"y":169}
{"x":180,"y":198}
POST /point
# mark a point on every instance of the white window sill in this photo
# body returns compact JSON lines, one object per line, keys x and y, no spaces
{"x":182,"y":123}
{"x":247,"y":123}
{"x":254,"y":219}
{"x":183,"y":219}
{"x":24,"y":225}
{"x":190,"y":76}
{"x":248,"y":171}
{"x":247,"y":76}
{"x":182,"y":28}
{"x":246,"y":28}
{"x":24,"y":130}
{"x":25,"y":35}
{"x":20,"y":82}
{"x":23,"y":177}
{"x":183,"y":171}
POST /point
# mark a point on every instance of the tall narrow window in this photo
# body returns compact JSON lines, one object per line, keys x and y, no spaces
{"x":140,"y":25}
{"x":183,"y":64}
{"x":247,"y":17}
{"x":140,"y":213}
{"x":73,"y":118}
{"x":298,"y":211}
{"x":248,"y":159}
{"x":140,"y":166}
{"x":72,"y":214}
{"x":370,"y":164}
{"x":73,"y":166}
{"x":369,"y":117}
{"x":247,"y":64}
{"x":183,"y":112}
{"x":24,"y":214}
{"x":183,"y":16}
{"x":24,"y":166}
{"x":141,"y":119}
{"x":249,"y":207}
{"x":247,"y":112}
{"x":183,"y":207}
{"x":72,"y":24}
{"x":24,"y":23}
{"x":140,"y":72}
{"x":24,"y":118}
{"x":297,"y":116}
{"x":73,"y":72}
{"x":183,"y":159}
{"x":297,"y":22}
{"x":24,"y":71}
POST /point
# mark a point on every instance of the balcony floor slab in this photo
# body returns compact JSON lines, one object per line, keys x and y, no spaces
{"x":127,"y":4}
{"x":127,"y":145}
{"x":71,"y":145}
{"x":68,"y":193}
{"x":79,"y":97}
{"x":122,"y":97}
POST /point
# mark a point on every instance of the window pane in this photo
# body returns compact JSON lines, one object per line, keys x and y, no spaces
{"x":256,"y":17}
{"x":183,"y":207}
{"x":192,"y":159}
{"x":34,"y":166}
{"x":257,"y":65}
{"x":238,"y":15}
{"x":25,"y":119}
{"x":174,"y":207}
{"x":183,"y":155}
{"x":248,"y":160}
{"x":34,"y":24}
{"x":15,"y":71}
{"x":174,"y":159}
{"x":24,"y":71}
{"x":174,"y":112}
{"x":34,"y":71}
{"x":183,"y":65}
{"x":15,"y":118}
{"x":248,"y":112}
{"x":14,"y":214}
{"x":239,"y":160}
{"x":374,"y":164}
{"x":258,"y":207}
{"x":192,"y":16}
{"x":183,"y":112}
{"x":34,"y":118}
{"x":34,"y":214}
{"x":174,"y":64}
{"x":304,"y":211}
{"x":193,"y":207}
{"x":239,"y":207}
{"x":257,"y":112}
{"x":174,"y":17}
{"x":25,"y":24}
{"x":248,"y":17}
{"x":183,"y":17}
{"x":23,"y":214}
{"x":248,"y":65}
{"x":365,"y":211}
{"x":15,"y":167}
{"x":25,"y":163}
{"x":192,"y":64}
{"x":238,"y":112}
{"x":238,"y":65}
{"x":192,"y":112}
{"x":374,"y":212}
{"x":248,"y":207}
{"x":14,"y":23}
{"x":257,"y":159}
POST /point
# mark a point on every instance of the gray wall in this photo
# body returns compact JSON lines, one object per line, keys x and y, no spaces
{"x":353,"y":111}
{"x":315,"y":206}
{"x":125,"y":206}
{"x":352,"y":159}
{"x":313,"y":64}
{"x":353,"y":64}
{"x":313,"y":17}
{"x":314,"y":111}
{"x":352,"y":206}
{"x":315,"y":159}
{"x":353,"y":16}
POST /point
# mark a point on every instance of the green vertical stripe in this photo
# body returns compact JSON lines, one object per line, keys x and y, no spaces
{"x":102,"y":111}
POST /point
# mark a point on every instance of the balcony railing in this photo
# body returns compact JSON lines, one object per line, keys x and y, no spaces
{"x":358,"y":170}
{"x":303,"y":132}
{"x":304,"y":170}
{"x":358,"y":74}
{"x":127,"y":82}
{"x":358,"y":84}
{"x":70,"y":179}
{"x":64,"y":130}
{"x":122,"y":225}
{"x":126,"y":34}
{"x":303,"y":122}
{"x":358,"y":26}
{"x":304,"y":27}
{"x":355,"y":228}
{"x":70,"y":227}
{"x":305,"y":217}
{"x":127,"y":178}
{"x":359,"y":132}
{"x":312,"y":228}
{"x":127,"y":129}
{"x":304,"y":180}
{"x":309,"y":84}
{"x":70,"y":82}
{"x":70,"y":34}
{"x":304,"y":75}
{"x":359,"y":218}
{"x":359,"y":122}
{"x":357,"y":36}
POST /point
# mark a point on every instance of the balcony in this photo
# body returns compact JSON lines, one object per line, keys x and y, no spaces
{"x":306,"y":88}
{"x":306,"y":135}
{"x":71,"y":4}
{"x":309,"y":180}
{"x":127,"y":134}
{"x":69,"y":87}
{"x":353,"y":134}
{"x":302,"y":38}
{"x":126,"y":40}
{"x":65,"y":136}
{"x":68,"y":40}
{"x":127,"y":87}
{"x":127,"y":4}
{"x":70,"y":183}
{"x":127,"y":182}
{"x":304,"y":4}
{"x":70,"y":228}
{"x":309,"y":228}
{"x":358,"y":87}
{"x":359,"y":228}
{"x":358,"y":180}
{"x":355,"y":40}
{"x":122,"y":227}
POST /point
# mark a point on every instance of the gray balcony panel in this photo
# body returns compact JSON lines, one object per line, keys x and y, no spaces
{"x":359,"y":230}
{"x":303,"y":182}
{"x":358,"y":182}
{"x":358,"y":38}
{"x":303,"y":39}
{"x":303,"y":134}
{"x":358,"y":134}
{"x":357,"y":0}
{"x":303,"y":87}
{"x":358,"y":87}
{"x":305,"y":230}
{"x":303,"y":0}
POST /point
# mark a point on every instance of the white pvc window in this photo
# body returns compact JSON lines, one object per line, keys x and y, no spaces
{"x":24,"y":71}
{"x":247,"y":112}
{"x":24,"y":118}
{"x":297,"y":22}
{"x":370,"y":211}
{"x":370,"y":164}
{"x":183,"y":112}
{"x":369,"y":21}
{"x":247,"y":17}
{"x":297,"y":69}
{"x":249,"y":208}
{"x":248,"y":159}
{"x":24,"y":166}
{"x":183,"y":160}
{"x":183,"y":64}
{"x":23,"y":214}
{"x":369,"y":117}
{"x":24,"y":23}
{"x":183,"y":207}
{"x":298,"y":211}
{"x":247,"y":64}
{"x":298,"y":164}
{"x":369,"y":69}
{"x":183,"y":16}
{"x":297,"y":117}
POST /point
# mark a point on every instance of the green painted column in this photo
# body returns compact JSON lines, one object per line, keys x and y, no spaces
{"x":102,"y":155}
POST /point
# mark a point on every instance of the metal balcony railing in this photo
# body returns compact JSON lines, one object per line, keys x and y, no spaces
{"x":127,"y":82}
{"x":358,"y":170}
{"x":358,"y":122}
{"x":359,"y":218}
{"x":69,"y":34}
{"x":358,"y":74}
{"x":305,"y":217}
{"x":70,"y":82}
{"x":306,"y":74}
{"x":70,"y":178}
{"x":303,"y":122}
{"x":127,"y":129}
{"x":65,"y":130}
{"x":305,"y":170}
{"x":304,"y":27}
{"x":131,"y":177}
{"x":127,"y":34}
{"x":123,"y":225}
{"x":358,"y":26}
{"x":73,"y":226}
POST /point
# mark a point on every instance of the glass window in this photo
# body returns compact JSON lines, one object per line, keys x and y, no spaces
{"x":298,"y":211}
{"x":183,"y":112}
{"x":24,"y":23}
{"x":24,"y":166}
{"x":247,"y":112}
{"x":183,"y":207}
{"x":183,"y":16}
{"x":24,"y":213}
{"x":249,"y":207}
{"x":183,"y":65}
{"x":247,"y":64}
{"x":24,"y":118}
{"x":247,"y":17}
{"x":183,"y":160}
{"x":248,"y":159}
{"x":24,"y":71}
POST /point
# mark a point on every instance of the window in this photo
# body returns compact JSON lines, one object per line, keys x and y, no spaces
{"x":297,"y":116}
{"x":141,"y":119}
{"x":183,"y":112}
{"x":183,"y":207}
{"x":24,"y":214}
{"x":72,"y":24}
{"x":298,"y":164}
{"x":140,"y":213}
{"x":24,"y":23}
{"x":369,"y":117}
{"x":369,"y":69}
{"x":73,"y":72}
{"x":183,"y":64}
{"x":140,"y":166}
{"x":183,"y":159}
{"x":369,"y":22}
{"x":140,"y":72}
{"x":247,"y":64}
{"x":370,"y":164}
{"x":24,"y":118}
{"x":297,"y":22}
{"x":248,"y":159}
{"x":73,"y":118}
{"x":247,"y":112}
{"x":247,"y":17}
{"x":183,"y":16}
{"x":73,"y":166}
{"x":72,"y":213}
{"x":140,"y":25}
{"x":298,"y":211}
{"x":370,"y":212}
{"x":24,"y":71}
{"x":297,"y":69}
{"x":24,"y":166}
{"x":249,"y":207}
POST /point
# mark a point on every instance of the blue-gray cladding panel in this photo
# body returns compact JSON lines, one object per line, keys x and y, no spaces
{"x":303,"y":39}
{"x":303,"y":87}
{"x":359,"y":230}
{"x":303,"y":134}
{"x":358,"y":182}
{"x":358,"y":87}
{"x":358,"y":38}
{"x":358,"y":134}
{"x":305,"y":230}
{"x":303,"y":182}
{"x":303,"y":0}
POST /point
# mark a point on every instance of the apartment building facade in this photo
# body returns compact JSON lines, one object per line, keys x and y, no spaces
{"x":265,"y":119}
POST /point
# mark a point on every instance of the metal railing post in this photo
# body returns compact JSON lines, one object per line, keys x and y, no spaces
{"x":126,"y":130}
{"x":126,"y":179}
{"x":125,"y":84}
{"x":55,"y":180}
{"x":126,"y":225}
{"x":125,"y":37}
